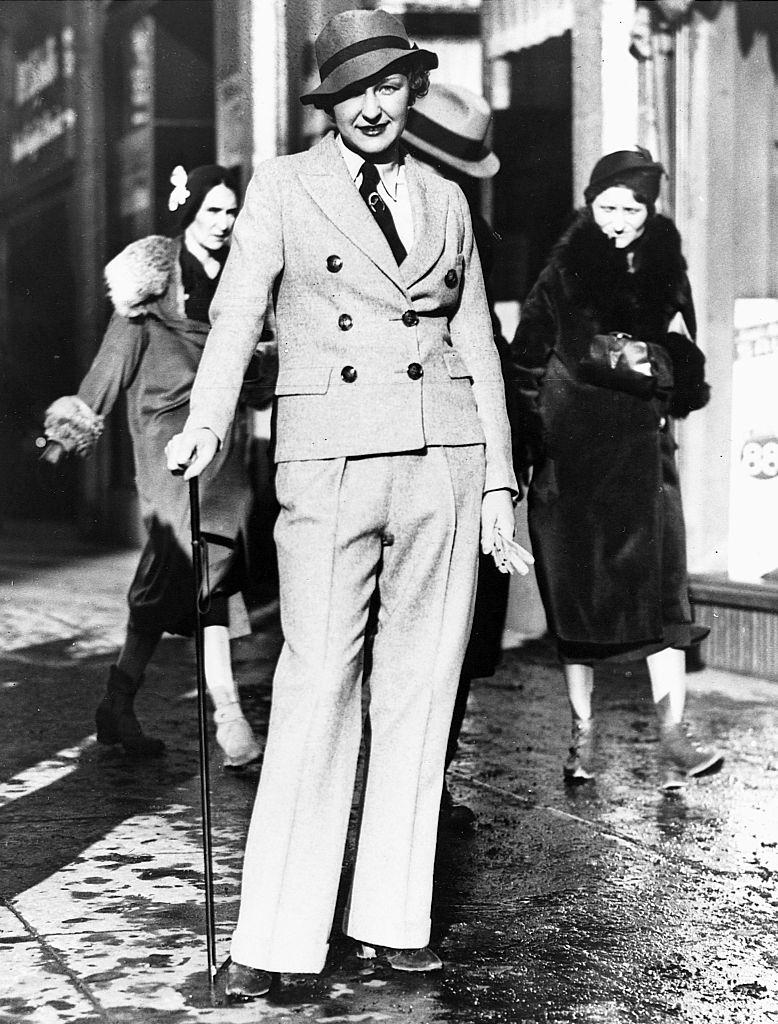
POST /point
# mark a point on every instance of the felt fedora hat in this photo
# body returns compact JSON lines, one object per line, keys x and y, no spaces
{"x":356,"y":45}
{"x":450,"y":124}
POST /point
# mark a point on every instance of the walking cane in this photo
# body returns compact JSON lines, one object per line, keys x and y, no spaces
{"x":199,"y":560}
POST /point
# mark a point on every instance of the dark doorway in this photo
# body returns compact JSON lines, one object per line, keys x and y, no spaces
{"x":533,"y":138}
{"x":38,"y":362}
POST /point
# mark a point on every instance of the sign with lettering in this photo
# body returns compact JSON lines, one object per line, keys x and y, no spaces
{"x":138,"y":57}
{"x":753,"y":541}
{"x":42,"y":115}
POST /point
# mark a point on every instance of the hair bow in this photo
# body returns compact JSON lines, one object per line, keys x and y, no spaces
{"x":180,"y":192}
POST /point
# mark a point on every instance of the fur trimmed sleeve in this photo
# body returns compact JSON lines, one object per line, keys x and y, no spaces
{"x":690,"y":389}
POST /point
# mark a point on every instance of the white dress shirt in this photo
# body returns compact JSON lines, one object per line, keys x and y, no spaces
{"x":392,"y":188}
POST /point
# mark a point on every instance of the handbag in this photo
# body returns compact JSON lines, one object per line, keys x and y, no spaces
{"x":623,"y":363}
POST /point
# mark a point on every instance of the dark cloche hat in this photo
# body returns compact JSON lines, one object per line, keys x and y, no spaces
{"x":356,"y":45}
{"x":634,"y":168}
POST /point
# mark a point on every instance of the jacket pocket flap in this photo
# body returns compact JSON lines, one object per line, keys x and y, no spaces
{"x":304,"y":380}
{"x":455,"y":365}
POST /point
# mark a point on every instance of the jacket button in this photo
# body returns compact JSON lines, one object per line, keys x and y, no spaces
{"x":415,"y":371}
{"x":451,"y":278}
{"x":410,"y":317}
{"x":334,"y":264}
{"x":345,"y":322}
{"x":349,"y":374}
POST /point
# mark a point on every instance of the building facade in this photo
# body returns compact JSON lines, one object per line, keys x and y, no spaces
{"x":102,"y":98}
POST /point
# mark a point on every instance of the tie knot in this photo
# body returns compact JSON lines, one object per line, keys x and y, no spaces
{"x":370,"y":175}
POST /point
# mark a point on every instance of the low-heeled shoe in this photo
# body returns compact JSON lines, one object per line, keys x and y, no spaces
{"x":247,"y":982}
{"x":412,"y":960}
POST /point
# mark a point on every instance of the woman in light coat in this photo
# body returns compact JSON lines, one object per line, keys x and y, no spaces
{"x":161,"y":289}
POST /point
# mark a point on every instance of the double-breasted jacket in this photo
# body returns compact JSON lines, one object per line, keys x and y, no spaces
{"x":372,"y":358}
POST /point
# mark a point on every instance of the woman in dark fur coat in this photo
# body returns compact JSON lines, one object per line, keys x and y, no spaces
{"x":161,"y":289}
{"x":607,"y":359}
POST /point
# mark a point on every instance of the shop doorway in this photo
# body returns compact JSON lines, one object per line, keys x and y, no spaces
{"x":533,"y":193}
{"x":38,"y":362}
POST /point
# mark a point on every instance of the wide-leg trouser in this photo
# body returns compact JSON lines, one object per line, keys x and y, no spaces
{"x":418,"y":513}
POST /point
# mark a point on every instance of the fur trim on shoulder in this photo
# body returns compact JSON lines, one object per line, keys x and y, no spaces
{"x":595,"y":271}
{"x":140,"y":272}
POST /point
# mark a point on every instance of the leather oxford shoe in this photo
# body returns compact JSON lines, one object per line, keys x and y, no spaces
{"x":247,"y":982}
{"x":411,"y":960}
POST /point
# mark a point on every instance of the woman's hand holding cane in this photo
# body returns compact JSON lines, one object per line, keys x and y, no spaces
{"x":189,"y":452}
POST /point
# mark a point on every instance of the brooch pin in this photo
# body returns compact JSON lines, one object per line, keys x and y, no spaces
{"x":375,"y":202}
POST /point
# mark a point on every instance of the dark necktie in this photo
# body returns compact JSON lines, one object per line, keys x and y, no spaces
{"x":369,"y":192}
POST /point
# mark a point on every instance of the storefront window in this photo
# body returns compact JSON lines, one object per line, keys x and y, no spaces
{"x":753,"y":542}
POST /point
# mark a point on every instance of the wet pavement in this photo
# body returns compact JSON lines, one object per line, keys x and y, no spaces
{"x":611,"y":903}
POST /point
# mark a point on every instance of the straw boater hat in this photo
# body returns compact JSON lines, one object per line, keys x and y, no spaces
{"x":356,"y":45}
{"x":450,"y":124}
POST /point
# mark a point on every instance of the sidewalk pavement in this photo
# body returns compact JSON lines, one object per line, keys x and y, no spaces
{"x":612,"y":903}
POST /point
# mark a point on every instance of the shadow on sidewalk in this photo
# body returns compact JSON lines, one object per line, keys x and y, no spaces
{"x":61,"y":792}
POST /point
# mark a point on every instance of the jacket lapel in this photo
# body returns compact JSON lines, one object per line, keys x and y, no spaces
{"x":330,"y":186}
{"x":430,"y":208}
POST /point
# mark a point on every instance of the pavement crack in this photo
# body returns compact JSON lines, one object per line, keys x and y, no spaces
{"x":58,"y":959}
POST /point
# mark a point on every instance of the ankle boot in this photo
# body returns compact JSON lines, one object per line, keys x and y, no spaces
{"x":235,"y":737}
{"x":455,"y":817}
{"x":116,"y":721}
{"x":578,"y":767}
{"x":682,"y":756}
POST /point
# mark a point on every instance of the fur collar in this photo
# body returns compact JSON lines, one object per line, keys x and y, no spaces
{"x":141,"y":273}
{"x":596,"y":277}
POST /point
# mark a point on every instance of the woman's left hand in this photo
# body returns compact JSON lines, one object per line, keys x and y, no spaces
{"x":498,"y":526}
{"x":496,"y":514}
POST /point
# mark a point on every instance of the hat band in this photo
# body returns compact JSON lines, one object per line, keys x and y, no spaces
{"x":443,"y":138}
{"x":361,"y":48}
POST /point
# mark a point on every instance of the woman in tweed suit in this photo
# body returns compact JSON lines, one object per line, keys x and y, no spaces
{"x":393,"y":449}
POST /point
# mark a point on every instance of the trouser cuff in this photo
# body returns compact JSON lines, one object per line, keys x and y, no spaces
{"x":289,"y":958}
{"x":409,"y":935}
